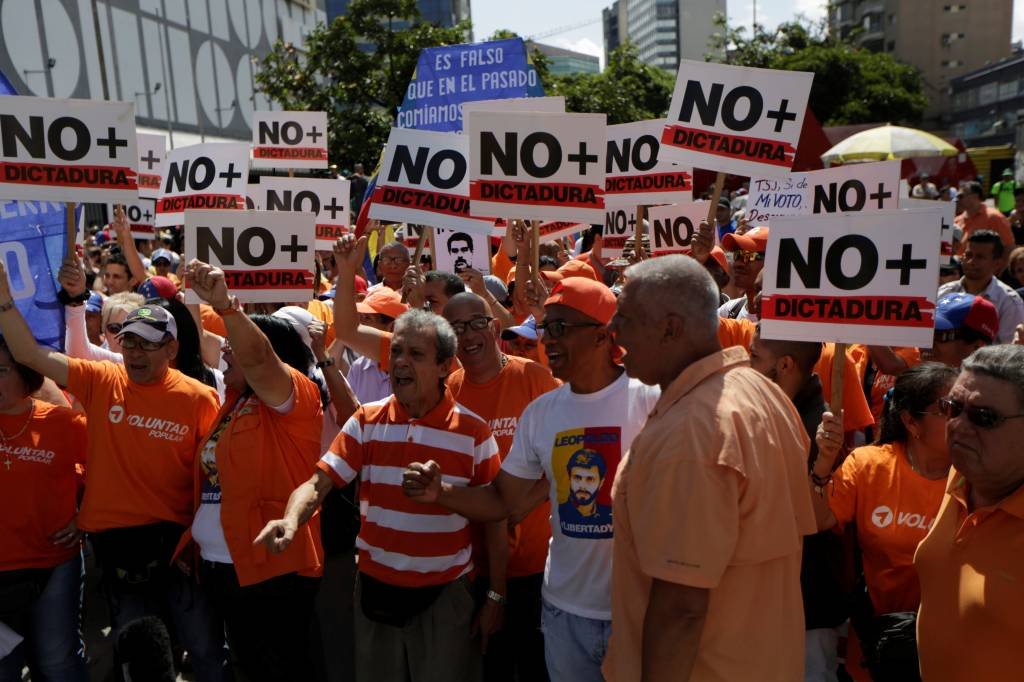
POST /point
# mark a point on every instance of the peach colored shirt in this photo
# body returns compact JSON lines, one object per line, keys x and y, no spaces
{"x":971,"y":567}
{"x":713,"y":494}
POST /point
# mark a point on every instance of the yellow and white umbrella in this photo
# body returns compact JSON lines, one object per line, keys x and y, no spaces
{"x":888,"y":142}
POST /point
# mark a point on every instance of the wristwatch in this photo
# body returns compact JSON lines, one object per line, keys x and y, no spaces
{"x":325,"y":363}
{"x":497,"y":598}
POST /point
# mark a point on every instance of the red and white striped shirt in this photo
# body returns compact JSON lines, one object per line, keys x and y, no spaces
{"x":401,"y":541}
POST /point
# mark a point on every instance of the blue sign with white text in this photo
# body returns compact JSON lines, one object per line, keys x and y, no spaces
{"x":446,"y":77}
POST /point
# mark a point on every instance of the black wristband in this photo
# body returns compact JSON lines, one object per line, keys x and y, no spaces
{"x":67,"y":299}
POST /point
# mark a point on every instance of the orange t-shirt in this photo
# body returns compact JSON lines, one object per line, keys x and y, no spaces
{"x":212,"y":322}
{"x":987,"y":218}
{"x":325,"y":313}
{"x":500,"y":402}
{"x":893,"y":507}
{"x":883,"y":382}
{"x":501,"y":265}
{"x":857,"y":414}
{"x":735,"y":332}
{"x":38,"y":484}
{"x":142,"y":444}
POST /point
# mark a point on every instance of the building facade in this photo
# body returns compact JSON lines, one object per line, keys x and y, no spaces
{"x":663,"y":31}
{"x":988,"y":104}
{"x":445,"y":13}
{"x":944,"y":40}
{"x":563,"y":62}
{"x":188,"y":66}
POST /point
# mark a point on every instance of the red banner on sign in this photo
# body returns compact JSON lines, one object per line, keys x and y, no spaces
{"x":436,"y":202}
{"x":307,"y":153}
{"x":755,"y":149}
{"x":200,"y":201}
{"x":98,"y":177}
{"x":656,"y":182}
{"x":886,"y":311}
{"x":269,"y":279}
{"x":550,"y":194}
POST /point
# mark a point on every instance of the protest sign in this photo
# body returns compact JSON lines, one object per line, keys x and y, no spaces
{"x":853,"y":278}
{"x":457,"y":251}
{"x":68,"y":150}
{"x":202,"y":176}
{"x":32,"y":246}
{"x":673,"y":226}
{"x":152,"y":151}
{"x":141,"y":215}
{"x":735,"y":119}
{"x":289,"y":139}
{"x":635,"y":171}
{"x":325,"y":198}
{"x":844,"y":189}
{"x":537,"y":165}
{"x":446,"y":77}
{"x":619,"y":225}
{"x":267,"y":256}
{"x":945,"y":213}
{"x":423,"y":180}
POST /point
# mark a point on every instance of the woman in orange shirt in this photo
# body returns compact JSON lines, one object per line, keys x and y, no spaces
{"x":40,"y":555}
{"x":891,"y":492}
{"x":263,"y":445}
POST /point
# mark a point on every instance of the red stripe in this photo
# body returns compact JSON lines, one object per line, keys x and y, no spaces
{"x":282,"y":278}
{"x":301,"y":153}
{"x":69,"y":175}
{"x":391,"y":497}
{"x":637,"y":184}
{"x":149,"y":181}
{"x":330,"y":231}
{"x":426,"y":545}
{"x":422,"y":200}
{"x":875,"y":311}
{"x":216,"y":201}
{"x":729,"y":146}
{"x":573,"y":195}
{"x":407,"y":578}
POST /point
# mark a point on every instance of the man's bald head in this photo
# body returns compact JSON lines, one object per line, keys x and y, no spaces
{"x":676,"y":285}
{"x":464,"y":305}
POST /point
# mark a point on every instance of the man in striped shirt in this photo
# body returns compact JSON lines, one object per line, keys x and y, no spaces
{"x":415,"y":606}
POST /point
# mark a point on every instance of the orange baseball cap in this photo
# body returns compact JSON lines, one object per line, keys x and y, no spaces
{"x":577,"y":268}
{"x":383,"y":301}
{"x":719,"y":255}
{"x":752,"y":240}
{"x":589,"y":297}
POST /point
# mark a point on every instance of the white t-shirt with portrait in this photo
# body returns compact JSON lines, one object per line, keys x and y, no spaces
{"x":577,"y":441}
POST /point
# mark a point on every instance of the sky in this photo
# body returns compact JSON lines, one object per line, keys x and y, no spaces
{"x":533,"y":17}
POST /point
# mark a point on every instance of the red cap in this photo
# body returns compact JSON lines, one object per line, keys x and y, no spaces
{"x":719,"y":255}
{"x":591,"y":298}
{"x":755,"y":239}
{"x":382,"y":301}
{"x":360,"y":285}
{"x":577,"y":268}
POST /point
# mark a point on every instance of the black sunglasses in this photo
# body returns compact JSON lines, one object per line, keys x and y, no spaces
{"x":477,"y":323}
{"x":556,"y":328}
{"x":982,"y":417}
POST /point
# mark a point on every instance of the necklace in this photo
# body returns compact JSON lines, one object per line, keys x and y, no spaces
{"x":31,"y":411}
{"x":504,"y":360}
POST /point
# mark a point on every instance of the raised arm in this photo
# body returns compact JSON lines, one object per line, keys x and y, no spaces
{"x":22,"y":343}
{"x":829,"y":438}
{"x":342,"y":397}
{"x":348,"y":257}
{"x":123,"y":230}
{"x":264,"y":372}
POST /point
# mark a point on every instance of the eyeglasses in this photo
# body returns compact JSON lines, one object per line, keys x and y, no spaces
{"x":982,"y":417}
{"x":394,"y":259}
{"x":114,"y":328}
{"x":747,"y":256}
{"x":477,"y":323}
{"x":556,"y":328}
{"x":131,"y":342}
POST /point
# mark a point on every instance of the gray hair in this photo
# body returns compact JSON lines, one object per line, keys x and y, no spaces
{"x":424,"y":320}
{"x":1005,"y":362}
{"x":679,"y":285}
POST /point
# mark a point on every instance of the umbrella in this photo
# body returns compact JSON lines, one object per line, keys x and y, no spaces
{"x":888,"y":142}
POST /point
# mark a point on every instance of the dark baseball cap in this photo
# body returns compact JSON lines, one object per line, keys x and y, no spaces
{"x":151,"y":323}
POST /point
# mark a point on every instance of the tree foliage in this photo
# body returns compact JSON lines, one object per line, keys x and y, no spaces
{"x":851,"y":84}
{"x":356,"y":69}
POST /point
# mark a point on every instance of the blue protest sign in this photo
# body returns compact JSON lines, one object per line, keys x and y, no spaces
{"x":446,"y":77}
{"x":32,"y":246}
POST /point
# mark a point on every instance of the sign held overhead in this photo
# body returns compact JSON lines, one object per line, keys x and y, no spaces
{"x":67,"y":150}
{"x":673,"y":227}
{"x":152,"y":150}
{"x":636,"y":172}
{"x":736,"y":119}
{"x":289,"y":139}
{"x":202,"y":176}
{"x":325,"y":198}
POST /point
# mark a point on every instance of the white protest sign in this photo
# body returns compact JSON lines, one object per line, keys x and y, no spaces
{"x":67,"y":150}
{"x":673,"y":227}
{"x":736,"y":119}
{"x":141,"y":215}
{"x":152,"y":151}
{"x":457,"y":251}
{"x":619,"y":225}
{"x":636,"y":173}
{"x":289,"y":139}
{"x":325,"y":198}
{"x":843,"y":189}
{"x":537,"y":165}
{"x":423,"y":180}
{"x":267,"y":256}
{"x":852,"y":278}
{"x":945,"y":214}
{"x":202,"y":176}
{"x":553,"y":105}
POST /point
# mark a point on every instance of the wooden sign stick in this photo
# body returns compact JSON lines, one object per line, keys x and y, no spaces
{"x":639,"y":232}
{"x":835,"y":404}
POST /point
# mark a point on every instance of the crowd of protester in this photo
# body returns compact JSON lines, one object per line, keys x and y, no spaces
{"x":595,"y":470}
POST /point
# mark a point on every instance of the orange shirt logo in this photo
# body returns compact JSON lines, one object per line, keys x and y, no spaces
{"x":883,"y":516}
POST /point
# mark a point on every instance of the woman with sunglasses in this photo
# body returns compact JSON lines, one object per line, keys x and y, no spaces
{"x":891,"y":492}
{"x":972,"y":575}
